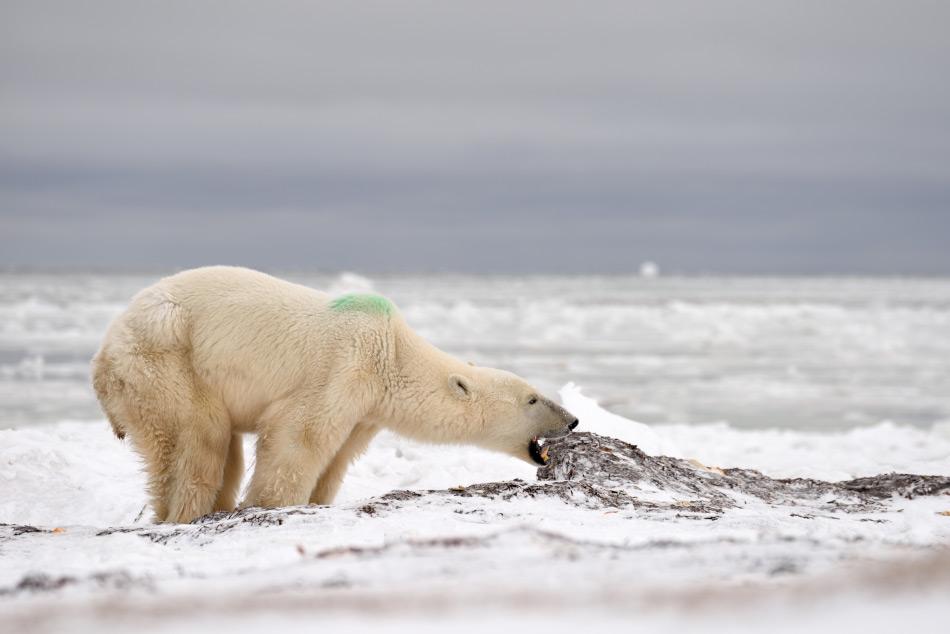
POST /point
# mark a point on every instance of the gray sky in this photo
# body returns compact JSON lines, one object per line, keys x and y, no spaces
{"x":738,"y":137}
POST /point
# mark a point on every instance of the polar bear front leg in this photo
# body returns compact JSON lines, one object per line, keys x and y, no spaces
{"x":331,"y":479}
{"x":293,"y":448}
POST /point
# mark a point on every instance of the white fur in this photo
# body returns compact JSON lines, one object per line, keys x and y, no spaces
{"x":208,"y":354}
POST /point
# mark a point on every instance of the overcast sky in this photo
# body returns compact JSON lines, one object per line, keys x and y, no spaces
{"x":737,"y":137}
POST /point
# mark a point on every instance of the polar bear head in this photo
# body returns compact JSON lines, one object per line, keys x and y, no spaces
{"x":510,"y":415}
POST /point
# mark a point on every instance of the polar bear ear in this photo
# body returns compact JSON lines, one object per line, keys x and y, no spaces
{"x":460,"y":386}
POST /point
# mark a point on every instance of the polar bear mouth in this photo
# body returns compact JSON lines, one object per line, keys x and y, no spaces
{"x":538,"y":446}
{"x":538,"y":450}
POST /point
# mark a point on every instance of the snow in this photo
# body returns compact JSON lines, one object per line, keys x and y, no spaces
{"x":83,"y":489}
{"x":600,"y":421}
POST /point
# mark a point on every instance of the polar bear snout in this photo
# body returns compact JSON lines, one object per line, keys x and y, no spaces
{"x":566,"y":422}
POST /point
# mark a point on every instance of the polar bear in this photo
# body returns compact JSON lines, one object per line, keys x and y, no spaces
{"x":206,"y":355}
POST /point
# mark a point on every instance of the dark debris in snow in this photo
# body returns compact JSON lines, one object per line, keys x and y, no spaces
{"x":608,"y":463}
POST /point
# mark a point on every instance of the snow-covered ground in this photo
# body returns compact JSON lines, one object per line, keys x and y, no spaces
{"x":824,"y":379}
{"x":96,"y":562}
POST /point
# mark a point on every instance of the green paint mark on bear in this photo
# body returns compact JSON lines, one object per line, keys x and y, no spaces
{"x":362,"y":302}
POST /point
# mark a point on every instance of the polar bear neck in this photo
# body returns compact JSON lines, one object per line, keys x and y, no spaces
{"x":419,"y":404}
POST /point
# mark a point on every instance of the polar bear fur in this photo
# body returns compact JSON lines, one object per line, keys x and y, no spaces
{"x":206,"y":355}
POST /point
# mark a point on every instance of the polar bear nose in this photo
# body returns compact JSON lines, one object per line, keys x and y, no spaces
{"x":573,"y":424}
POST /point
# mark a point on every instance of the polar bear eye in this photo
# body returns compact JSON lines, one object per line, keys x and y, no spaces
{"x":532,"y":400}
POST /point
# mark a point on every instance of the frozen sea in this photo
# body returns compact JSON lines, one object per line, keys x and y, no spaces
{"x":793,"y":353}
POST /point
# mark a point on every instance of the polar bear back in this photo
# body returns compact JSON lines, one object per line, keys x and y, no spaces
{"x":249,"y":337}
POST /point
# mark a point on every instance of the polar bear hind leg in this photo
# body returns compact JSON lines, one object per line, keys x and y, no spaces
{"x":181,"y":430}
